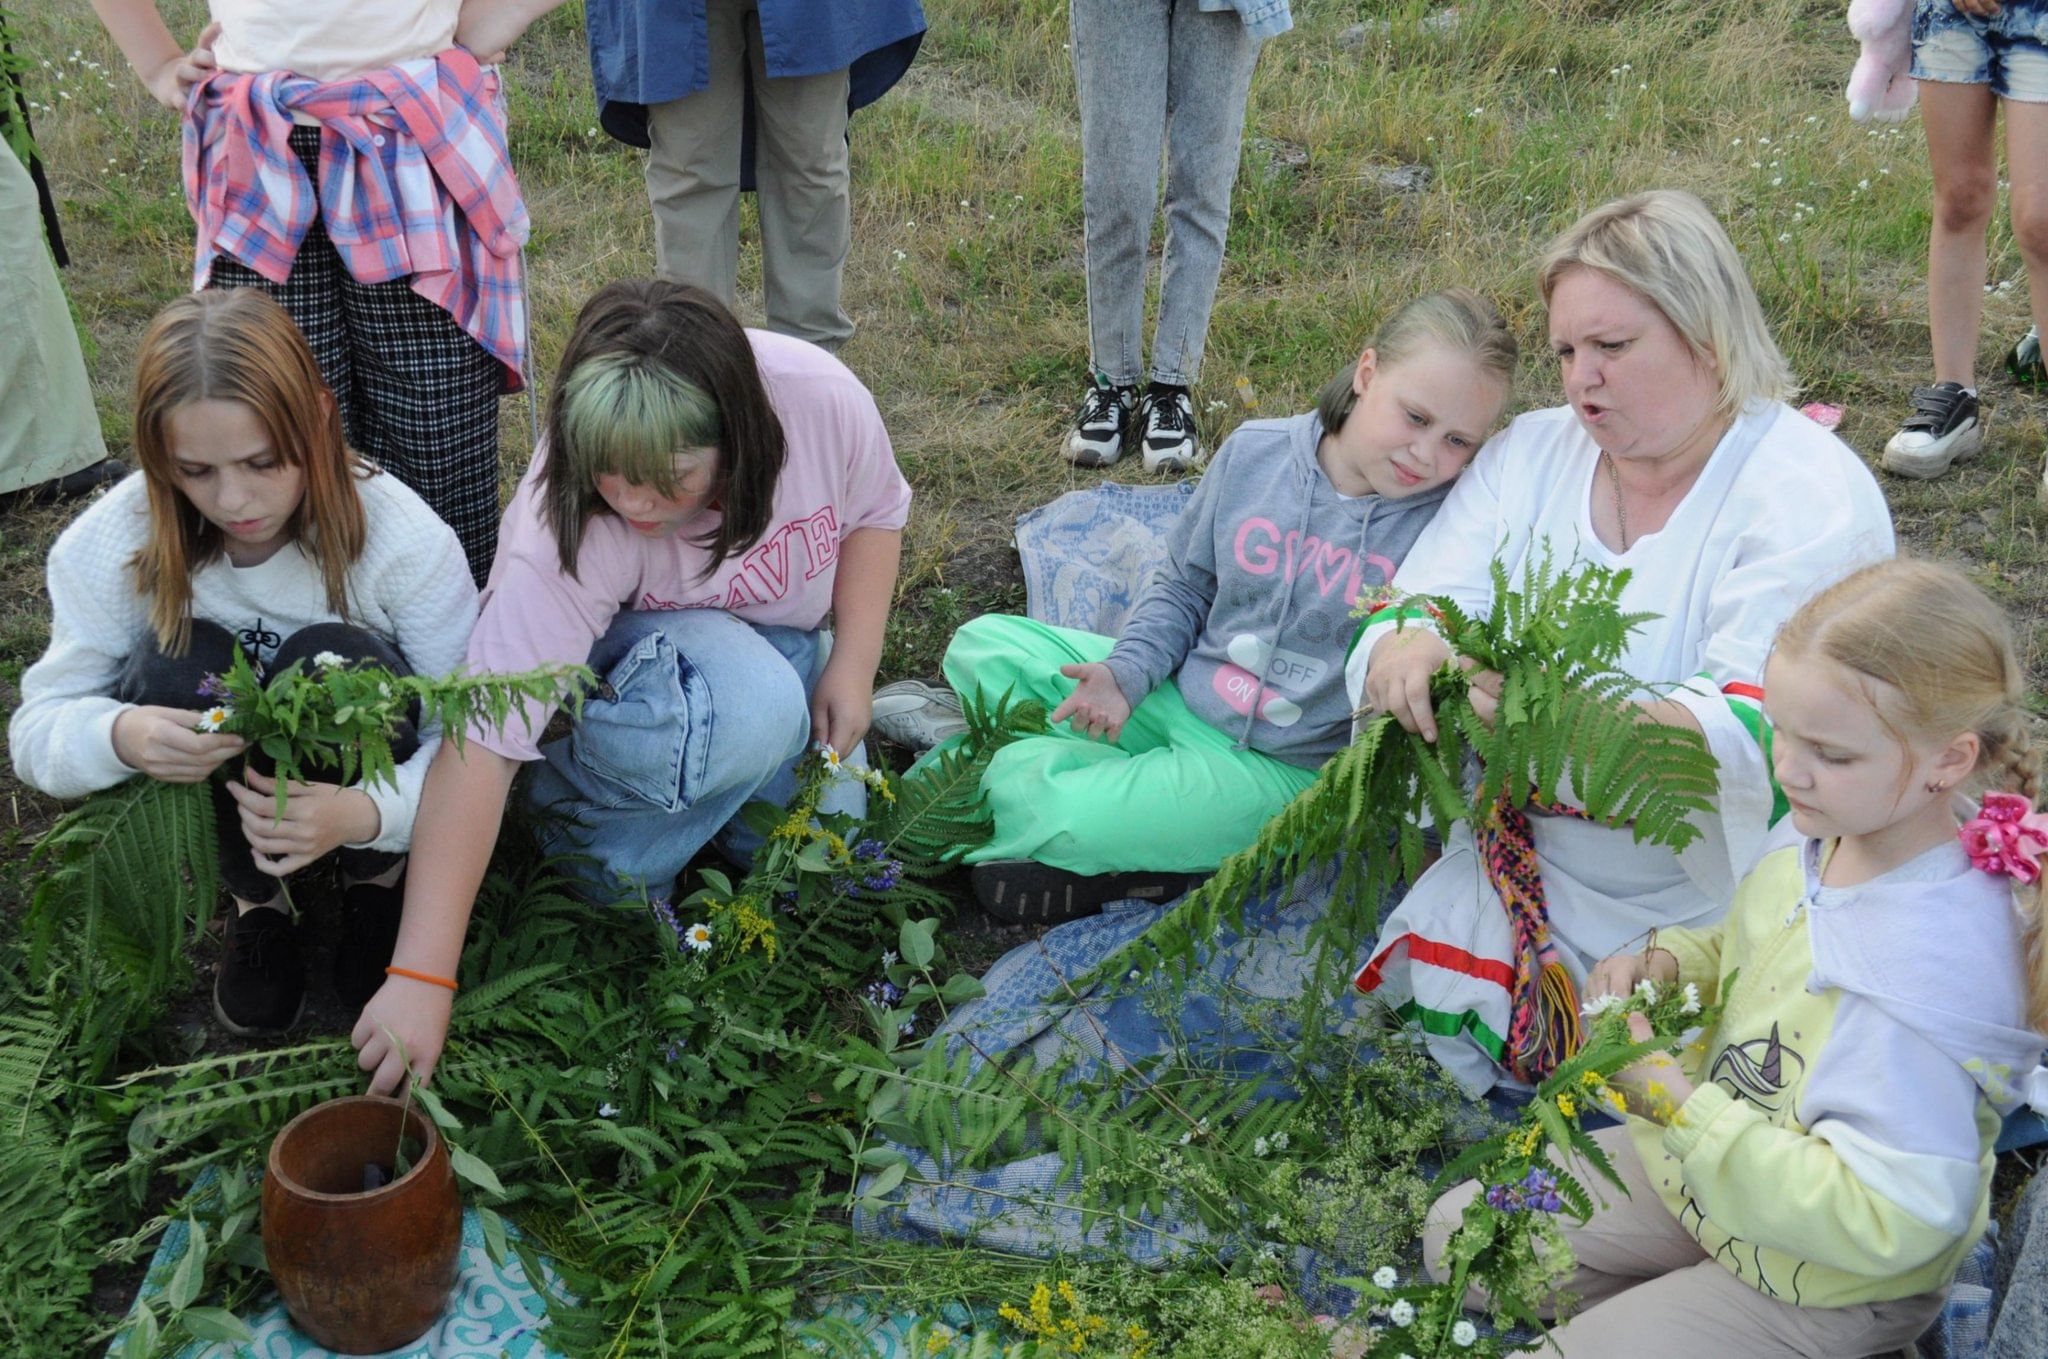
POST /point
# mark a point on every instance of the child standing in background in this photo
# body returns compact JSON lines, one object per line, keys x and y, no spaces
{"x":1972,"y":58}
{"x":350,"y":160}
{"x":1807,"y":1185}
{"x":1296,"y":521}
{"x":1153,"y":75}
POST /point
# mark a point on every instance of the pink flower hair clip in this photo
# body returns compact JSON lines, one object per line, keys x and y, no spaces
{"x":2007,"y":836}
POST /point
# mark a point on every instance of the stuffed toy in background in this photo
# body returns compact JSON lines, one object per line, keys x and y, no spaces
{"x":1880,"y":87}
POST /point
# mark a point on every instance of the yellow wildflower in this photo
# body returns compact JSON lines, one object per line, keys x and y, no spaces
{"x":1565,"y":1106}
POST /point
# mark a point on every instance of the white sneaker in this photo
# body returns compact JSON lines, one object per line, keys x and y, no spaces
{"x":916,"y":715}
{"x":1946,"y":427}
{"x":1166,"y":430}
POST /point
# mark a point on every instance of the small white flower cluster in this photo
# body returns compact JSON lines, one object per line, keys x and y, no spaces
{"x":1261,"y":1146}
{"x":1463,"y":1333}
{"x":1402,"y":1313}
{"x":327,"y":660}
{"x":1385,"y":1277}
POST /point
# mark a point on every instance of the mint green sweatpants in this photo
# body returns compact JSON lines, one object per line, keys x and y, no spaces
{"x":1170,"y":794}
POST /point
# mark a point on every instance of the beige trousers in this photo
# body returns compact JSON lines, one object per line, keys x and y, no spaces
{"x":48,"y":426}
{"x":800,"y":172}
{"x":1646,"y":1287}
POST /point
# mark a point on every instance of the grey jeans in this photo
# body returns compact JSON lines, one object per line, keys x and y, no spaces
{"x":1156,"y":74}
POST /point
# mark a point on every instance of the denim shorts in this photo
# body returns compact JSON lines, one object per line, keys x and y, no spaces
{"x":2008,"y":51}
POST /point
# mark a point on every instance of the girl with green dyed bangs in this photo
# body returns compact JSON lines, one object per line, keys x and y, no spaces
{"x":703,"y":498}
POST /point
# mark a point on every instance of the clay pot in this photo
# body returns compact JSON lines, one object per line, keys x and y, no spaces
{"x":360,"y":1272}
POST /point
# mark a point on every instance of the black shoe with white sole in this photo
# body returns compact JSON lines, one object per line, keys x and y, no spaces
{"x":261,"y":985}
{"x":1946,"y":427}
{"x":1102,"y":426}
{"x":1027,"y":893}
{"x":1166,"y":429}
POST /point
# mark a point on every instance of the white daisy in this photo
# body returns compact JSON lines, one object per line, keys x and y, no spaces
{"x":213,"y":719}
{"x":698,"y":938}
{"x":1692,"y":1000}
{"x":1600,"y":1005}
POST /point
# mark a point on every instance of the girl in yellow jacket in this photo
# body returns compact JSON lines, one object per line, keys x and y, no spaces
{"x":1806,"y":1180}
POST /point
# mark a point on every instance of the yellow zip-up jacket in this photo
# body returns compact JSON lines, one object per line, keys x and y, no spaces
{"x":1837,"y":1148}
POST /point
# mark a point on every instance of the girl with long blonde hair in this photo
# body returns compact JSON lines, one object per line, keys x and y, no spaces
{"x":1807,"y":1178}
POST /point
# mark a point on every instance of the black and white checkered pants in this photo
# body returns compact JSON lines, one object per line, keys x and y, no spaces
{"x":418,"y":394}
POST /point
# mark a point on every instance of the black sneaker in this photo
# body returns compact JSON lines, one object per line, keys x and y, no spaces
{"x":261,"y":985}
{"x":1024,"y":892}
{"x":1103,"y":424}
{"x":1166,"y":430}
{"x":2023,"y":361}
{"x":369,"y":931}
{"x":1944,"y":428}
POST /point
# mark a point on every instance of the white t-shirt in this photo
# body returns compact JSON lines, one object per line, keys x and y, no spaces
{"x":1781,"y":509}
{"x":330,"y":39}
{"x":411,"y":587}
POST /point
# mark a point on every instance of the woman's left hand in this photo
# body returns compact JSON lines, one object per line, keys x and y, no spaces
{"x":842,"y":706}
{"x":1655,"y":1086}
{"x":318,"y":817}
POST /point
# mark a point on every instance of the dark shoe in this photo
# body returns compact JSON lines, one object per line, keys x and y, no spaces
{"x":70,"y":486}
{"x":1027,"y":893}
{"x":1944,"y":428}
{"x":1166,"y":430}
{"x":1102,"y":425}
{"x":2023,"y":362}
{"x":261,"y":986}
{"x":369,"y":931}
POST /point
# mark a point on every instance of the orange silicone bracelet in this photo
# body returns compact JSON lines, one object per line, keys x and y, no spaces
{"x":420,"y":976}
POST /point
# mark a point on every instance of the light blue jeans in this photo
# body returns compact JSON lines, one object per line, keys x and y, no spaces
{"x":699,"y":713}
{"x":1153,"y":74}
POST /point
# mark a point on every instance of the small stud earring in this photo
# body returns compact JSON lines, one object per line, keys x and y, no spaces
{"x":1937,"y":786}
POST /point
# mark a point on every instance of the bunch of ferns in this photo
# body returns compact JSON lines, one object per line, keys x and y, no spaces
{"x":1568,"y":721}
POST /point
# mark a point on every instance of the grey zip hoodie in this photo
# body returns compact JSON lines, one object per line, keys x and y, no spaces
{"x":1253,"y":607}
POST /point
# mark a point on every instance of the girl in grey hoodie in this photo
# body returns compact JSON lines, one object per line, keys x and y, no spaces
{"x":1295,"y":522}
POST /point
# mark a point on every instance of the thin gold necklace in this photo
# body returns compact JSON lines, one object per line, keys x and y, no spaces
{"x":1620,"y":510}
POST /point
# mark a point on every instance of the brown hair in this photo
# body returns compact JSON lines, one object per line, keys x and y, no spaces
{"x":238,"y":345}
{"x":1946,"y":651}
{"x":1456,"y":318}
{"x":651,"y":369}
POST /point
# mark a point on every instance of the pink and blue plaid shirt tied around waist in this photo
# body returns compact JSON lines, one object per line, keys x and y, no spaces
{"x":414,"y":180}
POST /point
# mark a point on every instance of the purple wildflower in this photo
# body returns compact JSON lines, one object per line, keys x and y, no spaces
{"x":887,"y":877}
{"x":869,"y":849}
{"x":666,"y":914}
{"x":213,"y":687}
{"x":883,"y":992}
{"x":1536,"y":1192}
{"x":673,"y":1053}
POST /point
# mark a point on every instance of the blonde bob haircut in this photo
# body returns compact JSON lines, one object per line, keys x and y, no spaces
{"x":1666,"y":246}
{"x":238,"y":345}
